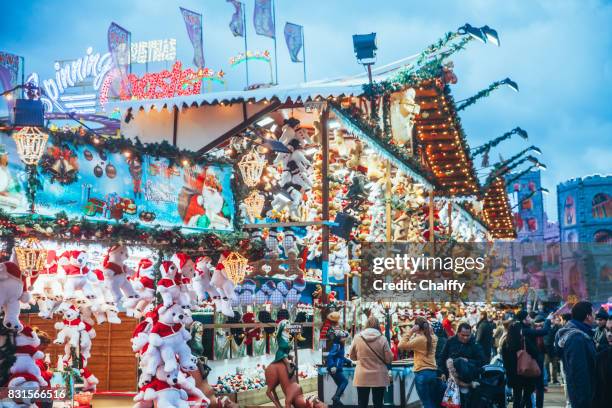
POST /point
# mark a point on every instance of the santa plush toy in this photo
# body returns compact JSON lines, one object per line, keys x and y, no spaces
{"x":169,"y":335}
{"x":169,"y":285}
{"x":201,"y":281}
{"x":77,"y":276}
{"x":159,"y":392}
{"x":144,"y":285}
{"x":26,"y":354}
{"x":116,"y":273}
{"x":12,"y":291}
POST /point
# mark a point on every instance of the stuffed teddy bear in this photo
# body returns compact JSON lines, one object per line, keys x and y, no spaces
{"x":47,"y":283}
{"x":116,"y":273}
{"x":26,"y":354}
{"x":339,"y":261}
{"x":159,"y":392}
{"x":170,"y":337}
{"x":168,"y":286}
{"x":224,"y":287}
{"x":103,"y":307}
{"x":72,"y":330}
{"x":201,"y":281}
{"x":144,"y":285}
{"x":186,"y":271}
{"x":77,"y":276}
{"x":12,"y":291}
{"x":23,"y":381}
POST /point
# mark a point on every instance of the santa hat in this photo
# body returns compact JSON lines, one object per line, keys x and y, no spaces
{"x":99,"y":274}
{"x":145,"y":263}
{"x":27,"y":331}
{"x":12,"y":269}
{"x":180,"y":259}
{"x":166,"y":267}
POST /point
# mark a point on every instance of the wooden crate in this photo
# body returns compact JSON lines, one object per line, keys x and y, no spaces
{"x":112,"y":359}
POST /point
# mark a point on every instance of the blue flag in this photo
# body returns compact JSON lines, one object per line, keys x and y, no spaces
{"x":263,"y":19}
{"x":294,"y":39}
{"x":237,"y":22}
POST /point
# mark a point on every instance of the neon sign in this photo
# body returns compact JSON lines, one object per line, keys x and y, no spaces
{"x":167,"y":84}
{"x":72,"y":74}
{"x":250,"y":55}
{"x":153,"y":51}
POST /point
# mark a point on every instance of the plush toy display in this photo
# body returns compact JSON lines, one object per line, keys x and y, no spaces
{"x":26,"y":354}
{"x":224,"y":287}
{"x":144,"y":286}
{"x":116,"y":273}
{"x":201,"y":281}
{"x":339,"y":260}
{"x":73,"y":332}
{"x":160,"y":393}
{"x":168,"y":286}
{"x":77,"y":276}
{"x":12,"y":291}
{"x":170,"y":337}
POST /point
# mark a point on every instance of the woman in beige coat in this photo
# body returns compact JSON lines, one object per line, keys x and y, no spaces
{"x":372,"y":353}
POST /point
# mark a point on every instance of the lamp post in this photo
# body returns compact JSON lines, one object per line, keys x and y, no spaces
{"x":365,"y":48}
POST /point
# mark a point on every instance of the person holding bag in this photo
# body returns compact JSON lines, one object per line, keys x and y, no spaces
{"x":513,"y":346}
{"x":371,"y":352}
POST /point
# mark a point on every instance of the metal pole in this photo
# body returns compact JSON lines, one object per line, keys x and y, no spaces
{"x":275,"y":54}
{"x":388,"y":212}
{"x":325,"y":198}
{"x":22,"y":75}
{"x":246,"y":60}
{"x":372,"y":97}
{"x":304,"y":53}
{"x":175,"y":126}
{"x":431,"y":216}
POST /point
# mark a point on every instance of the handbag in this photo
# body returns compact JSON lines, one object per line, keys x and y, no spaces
{"x":380,"y":358}
{"x":526,"y":366}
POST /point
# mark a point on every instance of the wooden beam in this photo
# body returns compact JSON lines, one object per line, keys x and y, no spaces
{"x":240,"y":127}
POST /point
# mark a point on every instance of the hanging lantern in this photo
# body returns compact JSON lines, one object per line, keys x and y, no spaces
{"x":235,"y":267}
{"x":31,"y":256}
{"x":31,"y":143}
{"x":254,"y":204}
{"x":251,"y":167}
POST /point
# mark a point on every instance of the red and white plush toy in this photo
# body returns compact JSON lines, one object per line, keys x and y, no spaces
{"x":201,"y":281}
{"x":90,"y":381}
{"x":103,"y":307}
{"x":170,"y":337}
{"x":12,"y":291}
{"x":160,"y":392}
{"x":47,"y":283}
{"x":186,"y":271}
{"x":77,"y":276}
{"x":224,"y":287}
{"x":169,"y":284}
{"x":72,"y":331}
{"x":26,"y":354}
{"x":144,"y":286}
{"x":116,"y":273}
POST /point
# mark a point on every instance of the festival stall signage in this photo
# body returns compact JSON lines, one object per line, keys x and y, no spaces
{"x":167,"y":84}
{"x":85,"y":181}
{"x":143,"y":52}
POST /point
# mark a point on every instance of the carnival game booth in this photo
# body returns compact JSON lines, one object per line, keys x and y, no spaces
{"x":216,"y":219}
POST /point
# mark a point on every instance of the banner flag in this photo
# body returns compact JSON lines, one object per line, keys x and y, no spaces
{"x":9,"y":73}
{"x":294,"y":39}
{"x":263,"y":20}
{"x":193,"y":23}
{"x":119,"y":48}
{"x":236,"y":25}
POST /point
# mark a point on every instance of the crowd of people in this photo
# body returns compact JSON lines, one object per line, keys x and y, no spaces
{"x":535,"y":350}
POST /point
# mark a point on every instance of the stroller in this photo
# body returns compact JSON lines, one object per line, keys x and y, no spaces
{"x":491,"y":389}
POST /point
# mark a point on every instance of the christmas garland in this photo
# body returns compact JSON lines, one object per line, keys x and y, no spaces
{"x":487,"y":146}
{"x":484,"y":93}
{"x":63,"y":229}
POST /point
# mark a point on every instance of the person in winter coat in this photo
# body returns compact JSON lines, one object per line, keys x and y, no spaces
{"x":603,"y":369}
{"x":422,"y":341}
{"x":551,"y":359}
{"x":531,"y":336}
{"x":372,"y":353}
{"x":336,"y":360}
{"x":522,"y":387}
{"x":577,"y":348}
{"x":601,"y":318}
{"x":484,"y":335}
{"x":440,"y":334}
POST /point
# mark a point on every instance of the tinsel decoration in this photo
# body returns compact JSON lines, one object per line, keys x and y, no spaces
{"x":30,"y":142}
{"x":235,"y":267}
{"x":251,"y":167}
{"x":254,"y":205}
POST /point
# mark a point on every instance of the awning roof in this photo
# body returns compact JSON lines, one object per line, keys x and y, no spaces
{"x":497,"y":213}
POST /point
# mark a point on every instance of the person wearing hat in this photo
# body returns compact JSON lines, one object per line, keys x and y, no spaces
{"x":336,"y":360}
{"x":599,"y":336}
{"x":285,"y":345}
{"x":331,"y":324}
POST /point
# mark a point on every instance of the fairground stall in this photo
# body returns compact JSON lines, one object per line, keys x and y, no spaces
{"x":219,"y":225}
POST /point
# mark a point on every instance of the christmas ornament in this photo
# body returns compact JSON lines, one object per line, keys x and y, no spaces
{"x":31,"y":142}
{"x":251,"y":167}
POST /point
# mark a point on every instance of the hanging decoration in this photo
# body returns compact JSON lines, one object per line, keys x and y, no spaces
{"x":254,"y":205}
{"x":236,"y":267}
{"x":251,"y":167}
{"x":484,"y":149}
{"x":31,"y":142}
{"x":251,"y":55}
{"x":31,"y":255}
{"x":61,"y":164}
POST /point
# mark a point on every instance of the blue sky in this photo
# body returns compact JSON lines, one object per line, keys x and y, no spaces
{"x":559,"y":52}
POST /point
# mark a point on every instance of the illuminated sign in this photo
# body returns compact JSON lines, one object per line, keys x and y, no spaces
{"x":70,"y":74}
{"x":250,"y":55}
{"x":167,"y":84}
{"x":143,"y":52}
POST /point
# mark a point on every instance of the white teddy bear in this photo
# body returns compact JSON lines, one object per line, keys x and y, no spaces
{"x":339,"y":261}
{"x":168,"y":287}
{"x":12,"y":291}
{"x":26,"y":354}
{"x":77,"y":276}
{"x":144,"y":285}
{"x":73,"y":331}
{"x":116,"y":273}
{"x":158,"y":392}
{"x":170,"y":337}
{"x":201,"y":281}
